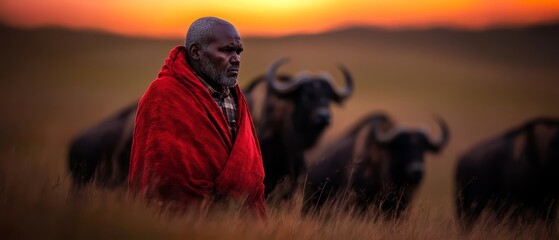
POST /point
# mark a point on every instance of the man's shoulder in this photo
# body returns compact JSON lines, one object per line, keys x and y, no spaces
{"x":160,"y":88}
{"x":163,"y":84}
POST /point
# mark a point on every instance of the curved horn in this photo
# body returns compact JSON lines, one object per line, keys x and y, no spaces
{"x":436,"y":146}
{"x":280,"y":87}
{"x":343,"y":93}
{"x":387,"y":137}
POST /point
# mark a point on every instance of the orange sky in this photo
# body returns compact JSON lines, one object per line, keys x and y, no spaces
{"x":170,"y":18}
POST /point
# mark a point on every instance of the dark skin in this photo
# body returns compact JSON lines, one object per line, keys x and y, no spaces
{"x":222,"y":54}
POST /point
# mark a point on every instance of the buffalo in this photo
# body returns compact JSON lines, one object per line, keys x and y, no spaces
{"x":514,"y":175}
{"x":290,"y":114}
{"x":101,"y":154}
{"x":377,"y":162}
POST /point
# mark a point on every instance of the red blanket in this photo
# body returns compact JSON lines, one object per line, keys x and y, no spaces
{"x":182,"y":152}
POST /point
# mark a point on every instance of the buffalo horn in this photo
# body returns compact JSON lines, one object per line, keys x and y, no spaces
{"x":282,"y":87}
{"x":340,"y":93}
{"x":348,"y":89}
{"x":436,"y":146}
{"x":387,"y":137}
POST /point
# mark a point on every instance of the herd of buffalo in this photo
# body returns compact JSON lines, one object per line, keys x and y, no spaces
{"x":376,"y":162}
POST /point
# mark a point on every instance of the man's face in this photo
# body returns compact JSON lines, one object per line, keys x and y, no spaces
{"x":220,"y":60}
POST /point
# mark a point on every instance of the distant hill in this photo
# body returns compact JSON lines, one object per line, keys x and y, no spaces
{"x":536,"y":46}
{"x":45,"y":49}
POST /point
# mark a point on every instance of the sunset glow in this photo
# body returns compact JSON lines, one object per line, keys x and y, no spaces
{"x":170,"y":18}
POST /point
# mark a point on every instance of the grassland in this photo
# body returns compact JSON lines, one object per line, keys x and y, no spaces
{"x":55,"y":83}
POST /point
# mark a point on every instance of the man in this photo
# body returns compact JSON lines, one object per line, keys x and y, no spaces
{"x":194,"y":142}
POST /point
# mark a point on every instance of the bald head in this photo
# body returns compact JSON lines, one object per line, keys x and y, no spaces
{"x":201,"y":31}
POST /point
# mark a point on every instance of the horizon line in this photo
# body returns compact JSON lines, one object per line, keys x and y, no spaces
{"x":449,"y":27}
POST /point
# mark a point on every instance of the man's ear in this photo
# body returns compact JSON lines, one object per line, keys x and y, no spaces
{"x":195,"y":51}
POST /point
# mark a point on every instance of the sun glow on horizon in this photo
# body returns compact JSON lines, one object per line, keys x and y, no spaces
{"x":170,"y":18}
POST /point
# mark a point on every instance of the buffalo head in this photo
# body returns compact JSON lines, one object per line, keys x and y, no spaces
{"x":378,"y":160}
{"x":406,"y":149}
{"x":311,"y":96}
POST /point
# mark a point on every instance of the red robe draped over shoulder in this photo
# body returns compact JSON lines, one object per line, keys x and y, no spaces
{"x":182,"y":151}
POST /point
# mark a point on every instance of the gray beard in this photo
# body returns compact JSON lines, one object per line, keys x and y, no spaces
{"x":219,"y":77}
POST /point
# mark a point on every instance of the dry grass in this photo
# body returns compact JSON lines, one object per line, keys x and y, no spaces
{"x":51,"y":91}
{"x":34,"y":205}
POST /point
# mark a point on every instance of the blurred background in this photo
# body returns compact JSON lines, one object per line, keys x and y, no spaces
{"x":484,"y":66}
